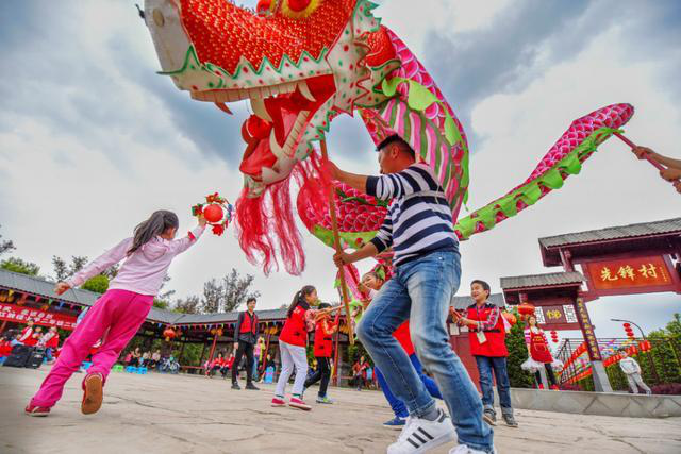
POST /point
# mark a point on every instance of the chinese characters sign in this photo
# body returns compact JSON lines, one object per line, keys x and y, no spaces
{"x":633,"y":275}
{"x":19,"y":314}
{"x":557,"y":317}
{"x":588,"y":330}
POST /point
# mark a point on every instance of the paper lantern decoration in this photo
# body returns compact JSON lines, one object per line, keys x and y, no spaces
{"x":554,"y":336}
{"x":525,"y":310}
{"x":169,"y":334}
{"x":628,"y":330}
{"x":645,"y":346}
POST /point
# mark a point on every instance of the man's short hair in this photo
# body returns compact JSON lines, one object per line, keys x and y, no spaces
{"x":401,"y":143}
{"x":250,"y":299}
{"x":484,"y":285}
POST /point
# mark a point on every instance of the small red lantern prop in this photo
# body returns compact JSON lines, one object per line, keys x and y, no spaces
{"x":212,"y":212}
{"x":217,"y":211}
{"x":554,"y":337}
{"x":525,"y":310}
{"x":169,"y":334}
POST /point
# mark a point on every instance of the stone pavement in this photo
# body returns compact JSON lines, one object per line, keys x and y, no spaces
{"x":157,"y":413}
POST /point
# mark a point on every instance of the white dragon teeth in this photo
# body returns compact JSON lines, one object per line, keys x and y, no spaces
{"x":305,"y":91}
{"x":292,"y":138}
{"x":258,"y":106}
{"x":238,"y":94}
{"x":274,"y":146}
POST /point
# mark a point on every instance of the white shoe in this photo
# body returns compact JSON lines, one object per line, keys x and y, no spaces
{"x":463,"y":449}
{"x":421,"y":435}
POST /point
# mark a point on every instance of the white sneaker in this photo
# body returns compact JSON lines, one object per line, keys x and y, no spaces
{"x":421,"y":435}
{"x":463,"y":449}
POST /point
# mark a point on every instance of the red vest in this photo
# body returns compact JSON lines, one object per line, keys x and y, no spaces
{"x":294,"y":331}
{"x":323,"y":343}
{"x":26,"y":334}
{"x":403,"y":336}
{"x":53,"y":342}
{"x":539,"y":348}
{"x":248,"y":323}
{"x":494,"y":344}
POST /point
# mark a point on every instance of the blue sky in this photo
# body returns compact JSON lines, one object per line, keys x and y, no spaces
{"x":92,"y":139}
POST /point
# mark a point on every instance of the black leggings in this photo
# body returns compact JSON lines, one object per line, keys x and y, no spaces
{"x":549,"y":375}
{"x":322,"y":375}
{"x":247,"y":348}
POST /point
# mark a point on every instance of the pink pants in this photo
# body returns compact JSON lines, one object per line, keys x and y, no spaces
{"x":121,"y":312}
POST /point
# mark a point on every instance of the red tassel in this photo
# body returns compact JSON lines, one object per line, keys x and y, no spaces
{"x":267,"y":223}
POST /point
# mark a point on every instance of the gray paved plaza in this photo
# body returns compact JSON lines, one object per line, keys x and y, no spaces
{"x":158,"y":413}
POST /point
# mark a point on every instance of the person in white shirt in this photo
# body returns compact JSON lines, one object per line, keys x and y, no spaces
{"x":633,"y":372}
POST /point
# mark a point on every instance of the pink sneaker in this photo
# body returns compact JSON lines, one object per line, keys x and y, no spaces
{"x":298,"y":403}
{"x":277,"y":402}
{"x":34,"y":410}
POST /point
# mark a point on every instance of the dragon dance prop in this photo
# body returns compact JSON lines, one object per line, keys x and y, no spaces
{"x":301,"y":63}
{"x":217,"y":211}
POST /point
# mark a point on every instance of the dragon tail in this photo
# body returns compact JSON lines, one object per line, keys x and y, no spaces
{"x":565,"y":158}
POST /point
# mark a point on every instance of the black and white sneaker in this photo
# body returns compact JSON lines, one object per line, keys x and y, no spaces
{"x":421,"y":435}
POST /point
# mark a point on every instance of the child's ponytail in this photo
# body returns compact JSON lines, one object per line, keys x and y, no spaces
{"x":299,"y":298}
{"x":158,"y":222}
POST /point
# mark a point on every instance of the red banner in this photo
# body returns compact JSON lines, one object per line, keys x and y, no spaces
{"x":634,"y":275}
{"x":20,"y":314}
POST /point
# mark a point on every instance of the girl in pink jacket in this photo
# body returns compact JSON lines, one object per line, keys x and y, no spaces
{"x":119,"y":312}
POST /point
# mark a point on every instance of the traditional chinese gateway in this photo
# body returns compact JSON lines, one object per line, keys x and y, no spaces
{"x":623,"y":260}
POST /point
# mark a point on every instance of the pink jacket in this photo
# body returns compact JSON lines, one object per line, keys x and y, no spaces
{"x":144,"y":270}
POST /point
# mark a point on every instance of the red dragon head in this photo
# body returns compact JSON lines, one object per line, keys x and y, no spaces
{"x":299,"y":62}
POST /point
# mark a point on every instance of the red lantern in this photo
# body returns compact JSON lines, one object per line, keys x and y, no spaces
{"x":645,"y":346}
{"x":169,"y":333}
{"x":212,"y":212}
{"x":525,"y":309}
{"x":554,"y":336}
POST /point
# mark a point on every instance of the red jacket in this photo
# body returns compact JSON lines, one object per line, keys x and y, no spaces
{"x":323,"y":339}
{"x":403,"y":336}
{"x":294,"y":331}
{"x":53,"y":342}
{"x":494,"y":344}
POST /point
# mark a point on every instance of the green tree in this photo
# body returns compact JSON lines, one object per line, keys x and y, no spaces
{"x":189,"y":305}
{"x":19,"y":266}
{"x":6,"y":245}
{"x":99,"y":284}
{"x":517,"y":349}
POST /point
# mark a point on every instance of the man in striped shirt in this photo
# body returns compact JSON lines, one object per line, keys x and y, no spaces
{"x":419,"y":228}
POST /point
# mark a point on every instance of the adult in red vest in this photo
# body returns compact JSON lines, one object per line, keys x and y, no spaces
{"x":27,"y":333}
{"x":486,"y":337}
{"x":247,"y":331}
{"x":323,"y":348}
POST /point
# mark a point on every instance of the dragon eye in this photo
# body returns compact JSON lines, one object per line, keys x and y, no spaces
{"x":265,"y":7}
{"x":299,"y":9}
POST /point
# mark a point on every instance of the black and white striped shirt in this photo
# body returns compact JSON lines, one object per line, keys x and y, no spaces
{"x":419,"y":220}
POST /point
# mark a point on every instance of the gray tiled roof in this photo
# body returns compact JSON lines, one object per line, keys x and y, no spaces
{"x":462,"y":302}
{"x":541,"y":280}
{"x":45,"y":289}
{"x":612,"y":233}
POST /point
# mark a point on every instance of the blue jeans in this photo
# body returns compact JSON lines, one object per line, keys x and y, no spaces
{"x":487,"y":364}
{"x":421,"y":290}
{"x":396,"y":404}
